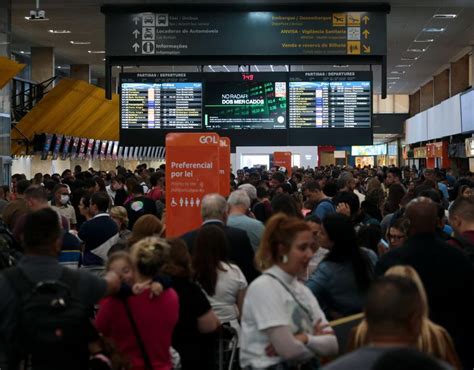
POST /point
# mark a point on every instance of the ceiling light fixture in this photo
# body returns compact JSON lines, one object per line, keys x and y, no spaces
{"x":341,"y":65}
{"x":403,"y":66}
{"x":59,"y":31}
{"x":434,"y":29}
{"x":398,"y":72}
{"x":409,"y":59}
{"x":445,"y":16}
{"x":212,"y":69}
{"x":416,"y":50}
{"x":393,"y":78}
{"x":80,"y":42}
{"x":96,"y":51}
{"x":427,"y":40}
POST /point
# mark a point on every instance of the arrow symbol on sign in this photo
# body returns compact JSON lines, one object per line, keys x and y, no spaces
{"x":136,"y":19}
{"x":366,"y":49}
{"x":135,"y":47}
{"x":366,"y":19}
{"x":366,"y":33}
{"x":136,"y":33}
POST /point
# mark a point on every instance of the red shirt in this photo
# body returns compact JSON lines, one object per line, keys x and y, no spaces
{"x":155,"y":319}
{"x":156,"y":193}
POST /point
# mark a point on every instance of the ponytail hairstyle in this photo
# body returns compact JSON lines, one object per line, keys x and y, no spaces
{"x":280,"y":231}
{"x":149,"y":255}
{"x":211,"y":249}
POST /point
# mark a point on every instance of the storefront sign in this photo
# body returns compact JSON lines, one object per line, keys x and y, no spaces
{"x":283,"y":159}
{"x":420,"y":152}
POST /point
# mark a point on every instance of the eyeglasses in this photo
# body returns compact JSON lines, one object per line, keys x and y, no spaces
{"x":396,"y":237}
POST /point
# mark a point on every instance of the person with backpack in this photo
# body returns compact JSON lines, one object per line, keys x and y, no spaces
{"x":323,"y":204}
{"x":45,"y":307}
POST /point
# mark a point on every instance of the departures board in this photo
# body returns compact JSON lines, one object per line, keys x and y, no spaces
{"x":330,"y":100}
{"x":156,"y":103}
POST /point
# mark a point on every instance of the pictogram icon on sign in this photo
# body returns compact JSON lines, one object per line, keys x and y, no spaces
{"x":148,"y":33}
{"x":353,"y":47}
{"x":353,"y":19}
{"x":339,"y":19}
{"x":148,"y":20}
{"x":162,"y":20}
{"x":353,"y":33}
{"x":148,"y":47}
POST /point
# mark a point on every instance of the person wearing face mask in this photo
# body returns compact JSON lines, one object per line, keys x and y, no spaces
{"x":61,"y":204}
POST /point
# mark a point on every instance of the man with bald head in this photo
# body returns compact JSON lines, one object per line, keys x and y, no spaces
{"x":214,"y":211}
{"x":445,"y":272}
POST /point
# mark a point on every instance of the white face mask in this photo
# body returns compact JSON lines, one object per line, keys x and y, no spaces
{"x":64,"y":198}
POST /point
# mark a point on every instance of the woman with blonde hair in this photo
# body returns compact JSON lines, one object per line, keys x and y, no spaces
{"x":433,"y":340}
{"x":141,"y":327}
{"x":120,"y":216}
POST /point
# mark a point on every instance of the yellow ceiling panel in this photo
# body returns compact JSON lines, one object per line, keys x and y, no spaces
{"x":74,"y":108}
{"x":8,"y":69}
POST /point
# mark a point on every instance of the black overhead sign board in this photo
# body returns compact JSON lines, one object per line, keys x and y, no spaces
{"x":246,"y":33}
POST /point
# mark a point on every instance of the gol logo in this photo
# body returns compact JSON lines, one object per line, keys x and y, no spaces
{"x":208,"y":140}
{"x":247,"y":77}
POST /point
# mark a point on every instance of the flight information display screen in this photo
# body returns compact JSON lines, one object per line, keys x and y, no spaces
{"x":245,"y":101}
{"x":161,"y":101}
{"x":330,"y":100}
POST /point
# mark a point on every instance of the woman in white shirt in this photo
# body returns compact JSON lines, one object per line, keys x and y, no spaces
{"x":283,"y":326}
{"x":223,"y":282}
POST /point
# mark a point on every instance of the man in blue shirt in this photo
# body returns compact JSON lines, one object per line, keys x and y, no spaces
{"x":323,"y":205}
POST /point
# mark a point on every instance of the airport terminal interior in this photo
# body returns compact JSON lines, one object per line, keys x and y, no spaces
{"x":238,"y":185}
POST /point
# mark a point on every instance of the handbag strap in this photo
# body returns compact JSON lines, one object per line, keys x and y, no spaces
{"x":140,"y":343}
{"x":298,"y":302}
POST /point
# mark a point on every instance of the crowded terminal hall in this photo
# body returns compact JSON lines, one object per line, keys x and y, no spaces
{"x":213,"y":185}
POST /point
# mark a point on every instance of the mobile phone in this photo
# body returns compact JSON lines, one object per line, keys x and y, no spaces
{"x":384,"y":243}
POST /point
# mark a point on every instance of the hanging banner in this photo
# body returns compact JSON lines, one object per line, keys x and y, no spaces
{"x":224,"y":166}
{"x":283,"y":159}
{"x":192,"y":167}
{"x":66,"y":148}
{"x":47,"y":146}
{"x":57,"y":145}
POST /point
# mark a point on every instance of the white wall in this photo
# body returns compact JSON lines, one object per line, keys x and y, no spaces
{"x":308,"y":154}
{"x":30,"y":165}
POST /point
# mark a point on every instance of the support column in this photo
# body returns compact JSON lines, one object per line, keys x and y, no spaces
{"x":42,"y":63}
{"x":81,"y":72}
{"x":5,"y":96}
{"x":101,"y":83}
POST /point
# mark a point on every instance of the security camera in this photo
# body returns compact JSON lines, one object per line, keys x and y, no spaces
{"x":37,"y":15}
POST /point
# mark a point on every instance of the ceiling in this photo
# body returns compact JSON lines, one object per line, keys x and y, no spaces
{"x":405,"y":23}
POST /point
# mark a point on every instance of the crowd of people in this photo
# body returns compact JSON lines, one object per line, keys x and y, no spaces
{"x":91,"y":280}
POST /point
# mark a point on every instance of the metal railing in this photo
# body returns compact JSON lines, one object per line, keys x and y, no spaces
{"x":26,"y":94}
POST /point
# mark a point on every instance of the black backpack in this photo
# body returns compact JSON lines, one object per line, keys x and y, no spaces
{"x":9,"y":248}
{"x":53,"y":327}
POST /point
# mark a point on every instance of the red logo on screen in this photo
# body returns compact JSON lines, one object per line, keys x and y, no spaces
{"x":247,"y":77}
